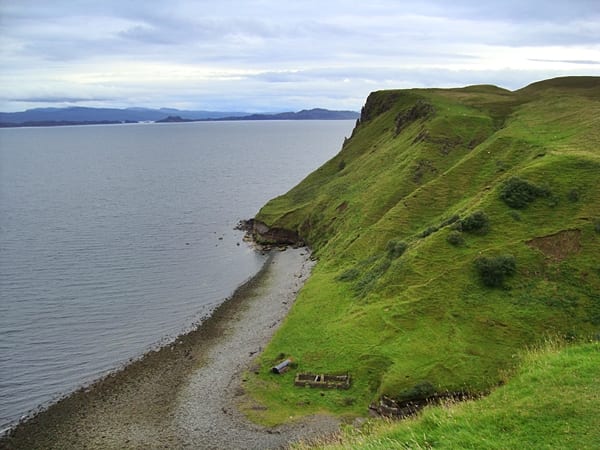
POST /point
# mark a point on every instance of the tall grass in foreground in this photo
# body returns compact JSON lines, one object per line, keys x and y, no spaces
{"x":551,"y":402}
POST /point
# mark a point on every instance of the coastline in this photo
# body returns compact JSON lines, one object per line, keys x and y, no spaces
{"x":183,"y":395}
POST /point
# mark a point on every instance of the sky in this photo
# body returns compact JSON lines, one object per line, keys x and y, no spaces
{"x":280,"y":55}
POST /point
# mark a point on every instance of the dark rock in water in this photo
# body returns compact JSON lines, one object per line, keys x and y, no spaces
{"x":245,"y":225}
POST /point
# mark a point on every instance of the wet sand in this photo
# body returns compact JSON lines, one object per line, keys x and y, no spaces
{"x":184,"y":395}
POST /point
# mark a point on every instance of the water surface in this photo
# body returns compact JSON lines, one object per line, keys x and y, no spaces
{"x":114,"y":239}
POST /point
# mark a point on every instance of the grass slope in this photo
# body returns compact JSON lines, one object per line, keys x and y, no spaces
{"x":395,"y":304}
{"x":551,"y":403}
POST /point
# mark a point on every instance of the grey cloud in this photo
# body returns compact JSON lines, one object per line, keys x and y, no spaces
{"x":291,"y":32}
{"x":519,"y":11}
{"x":59,"y":99}
{"x":328,"y":51}
{"x":585,"y":62}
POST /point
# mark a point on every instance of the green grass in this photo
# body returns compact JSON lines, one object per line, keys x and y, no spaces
{"x":551,"y":402}
{"x":395,"y":319}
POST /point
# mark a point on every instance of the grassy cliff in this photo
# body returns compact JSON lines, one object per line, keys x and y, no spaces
{"x":454,"y":228}
{"x":551,"y":403}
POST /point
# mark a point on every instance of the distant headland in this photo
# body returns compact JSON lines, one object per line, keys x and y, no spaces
{"x":45,"y":117}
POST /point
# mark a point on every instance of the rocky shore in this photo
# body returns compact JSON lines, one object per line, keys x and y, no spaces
{"x":185,"y":395}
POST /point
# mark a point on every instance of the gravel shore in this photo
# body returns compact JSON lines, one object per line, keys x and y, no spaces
{"x":184,"y":395}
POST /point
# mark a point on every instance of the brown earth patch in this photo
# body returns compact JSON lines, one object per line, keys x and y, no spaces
{"x":558,"y":246}
{"x":342,"y":207}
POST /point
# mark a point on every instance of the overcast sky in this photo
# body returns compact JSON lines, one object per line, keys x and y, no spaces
{"x":275,"y":55}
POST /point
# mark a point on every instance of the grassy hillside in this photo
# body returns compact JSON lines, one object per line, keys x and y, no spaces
{"x":552,"y":403}
{"x":454,"y":228}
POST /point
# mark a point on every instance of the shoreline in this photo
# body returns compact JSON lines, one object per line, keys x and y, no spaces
{"x":169,"y":397}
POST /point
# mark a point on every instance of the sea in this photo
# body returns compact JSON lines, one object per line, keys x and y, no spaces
{"x":115,"y":239}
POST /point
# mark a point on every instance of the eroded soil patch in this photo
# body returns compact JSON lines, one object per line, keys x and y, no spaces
{"x":558,"y":246}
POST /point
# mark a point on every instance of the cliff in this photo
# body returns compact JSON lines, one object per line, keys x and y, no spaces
{"x":454,"y":228}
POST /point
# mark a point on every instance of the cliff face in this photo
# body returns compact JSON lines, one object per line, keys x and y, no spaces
{"x":263,"y":234}
{"x":453,"y":228}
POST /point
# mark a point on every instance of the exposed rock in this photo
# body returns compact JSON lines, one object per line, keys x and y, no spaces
{"x":263,"y":234}
{"x":420,"y":110}
{"x":267,"y":237}
{"x":388,"y":407}
{"x":377,"y":103}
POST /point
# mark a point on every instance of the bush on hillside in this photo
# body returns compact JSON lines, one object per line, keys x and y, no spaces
{"x":477,"y":222}
{"x":553,"y":201}
{"x":428,"y":231}
{"x":349,"y":275}
{"x":493,"y":270}
{"x":368,"y":279}
{"x":455,"y":238}
{"x":573,"y":195}
{"x":450,"y":220}
{"x":395,"y":249}
{"x":518,"y":193}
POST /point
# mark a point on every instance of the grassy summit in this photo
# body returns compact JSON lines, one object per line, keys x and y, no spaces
{"x":454,"y":228}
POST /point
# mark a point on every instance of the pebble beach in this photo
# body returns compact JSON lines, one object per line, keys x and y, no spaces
{"x":184,"y":395}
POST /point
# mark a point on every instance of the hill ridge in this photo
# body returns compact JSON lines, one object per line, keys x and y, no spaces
{"x":76,"y":115}
{"x":421,"y":225}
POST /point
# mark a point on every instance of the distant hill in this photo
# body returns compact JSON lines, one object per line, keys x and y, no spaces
{"x":74,"y":115}
{"x":305,"y":114}
{"x":85,"y":116}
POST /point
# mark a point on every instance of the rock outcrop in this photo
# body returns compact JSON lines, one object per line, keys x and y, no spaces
{"x":262,"y":234}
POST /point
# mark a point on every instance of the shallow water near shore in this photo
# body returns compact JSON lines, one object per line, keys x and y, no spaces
{"x":185,"y":395}
{"x":114,"y":239}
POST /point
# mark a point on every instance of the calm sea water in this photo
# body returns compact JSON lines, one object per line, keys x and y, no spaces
{"x":114,"y":239}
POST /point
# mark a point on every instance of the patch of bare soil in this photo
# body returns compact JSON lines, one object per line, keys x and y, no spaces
{"x":558,"y":246}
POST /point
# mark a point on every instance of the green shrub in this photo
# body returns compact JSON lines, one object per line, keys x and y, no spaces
{"x":426,"y":232}
{"x":349,"y":275}
{"x":597,"y":226}
{"x":573,"y":195}
{"x":450,"y":220}
{"x":515,"y":215}
{"x":493,"y":270}
{"x":455,"y":238}
{"x":553,"y":201}
{"x":395,"y":249}
{"x":518,"y":193}
{"x":368,"y":279}
{"x":341,"y":165}
{"x":477,"y":222}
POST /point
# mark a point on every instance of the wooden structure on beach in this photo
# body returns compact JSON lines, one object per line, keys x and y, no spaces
{"x":322,"y":381}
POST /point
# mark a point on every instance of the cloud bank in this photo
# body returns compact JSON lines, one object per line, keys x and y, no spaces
{"x":281,"y":55}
